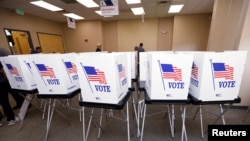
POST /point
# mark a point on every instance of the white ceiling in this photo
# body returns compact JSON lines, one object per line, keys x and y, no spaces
{"x":152,"y":8}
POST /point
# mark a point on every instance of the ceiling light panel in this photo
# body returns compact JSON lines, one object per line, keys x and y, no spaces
{"x":175,"y":8}
{"x":133,"y":1}
{"x":73,"y":16}
{"x":88,"y":3}
{"x":98,"y":12}
{"x":138,"y":11}
{"x":46,"y":5}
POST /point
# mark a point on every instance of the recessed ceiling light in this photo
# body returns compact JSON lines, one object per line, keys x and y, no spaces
{"x":88,"y":3}
{"x":99,"y":12}
{"x":133,"y":1}
{"x":73,"y":16}
{"x":175,"y":8}
{"x":46,"y":5}
{"x":138,"y":11}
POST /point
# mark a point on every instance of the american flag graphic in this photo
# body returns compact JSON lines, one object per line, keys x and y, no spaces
{"x":194,"y":72}
{"x":221,"y":70}
{"x":45,"y":70}
{"x":121,"y":70}
{"x":12,"y":69}
{"x":171,"y":72}
{"x":95,"y":75}
{"x":71,"y":67}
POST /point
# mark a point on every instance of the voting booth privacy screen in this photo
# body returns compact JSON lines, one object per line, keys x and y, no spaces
{"x":55,"y":73}
{"x":142,"y":68}
{"x":143,"y":65}
{"x":130,"y":68}
{"x":103,"y":77}
{"x":133,"y":64}
{"x":216,"y":76}
{"x":168,"y":75}
{"x":18,"y":71}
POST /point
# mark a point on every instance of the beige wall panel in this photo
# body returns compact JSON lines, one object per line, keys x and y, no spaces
{"x":217,"y":30}
{"x":165,"y":34}
{"x":226,"y":25}
{"x":233,"y":25}
{"x":245,"y":45}
{"x":132,"y":32}
{"x":110,"y":36}
{"x":84,"y":38}
{"x":190,"y":32}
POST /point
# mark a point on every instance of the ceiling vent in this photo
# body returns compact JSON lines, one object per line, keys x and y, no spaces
{"x":163,"y":2}
{"x":69,"y":1}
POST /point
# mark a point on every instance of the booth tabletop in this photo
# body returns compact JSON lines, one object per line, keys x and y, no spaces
{"x":117,"y":106}
{"x":165,"y":101}
{"x":60,"y":96}
{"x":196,"y":101}
{"x":34,"y":91}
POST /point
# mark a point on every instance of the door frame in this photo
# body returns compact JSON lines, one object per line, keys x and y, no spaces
{"x":10,"y":40}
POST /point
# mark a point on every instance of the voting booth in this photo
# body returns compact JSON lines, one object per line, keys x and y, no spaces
{"x":103,"y":77}
{"x":217,"y":76}
{"x":130,"y":69}
{"x":55,"y":73}
{"x":168,"y":75}
{"x":18,"y":71}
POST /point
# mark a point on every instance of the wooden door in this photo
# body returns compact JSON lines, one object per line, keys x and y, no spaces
{"x":51,"y":43}
{"x":21,"y":42}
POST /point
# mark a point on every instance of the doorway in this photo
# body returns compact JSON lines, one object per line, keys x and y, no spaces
{"x":19,"y":41}
{"x":51,"y":43}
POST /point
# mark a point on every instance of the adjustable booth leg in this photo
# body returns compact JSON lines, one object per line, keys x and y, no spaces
{"x":143,"y":121}
{"x":140,"y":115}
{"x":184,"y":132}
{"x":80,"y":110}
{"x":199,"y":109}
{"x":44,"y":107}
{"x":83,"y":125}
{"x":23,"y":109}
{"x":201,"y":119}
{"x":222,"y":116}
{"x":136,"y":115}
{"x":100,"y":124}
{"x":90,"y":120}
{"x":222,"y":112}
{"x":127,"y":120}
{"x":50,"y":115}
{"x":171,"y":120}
